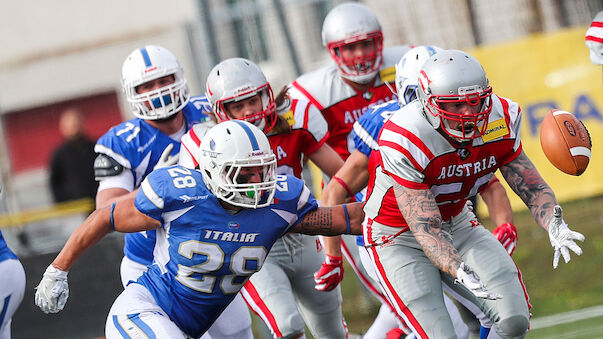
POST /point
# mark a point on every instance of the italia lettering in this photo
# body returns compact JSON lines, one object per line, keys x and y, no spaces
{"x":465,"y":170}
{"x":230,"y":236}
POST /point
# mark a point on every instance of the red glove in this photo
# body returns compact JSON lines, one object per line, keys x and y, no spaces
{"x":330,"y":274}
{"x":507,"y":235}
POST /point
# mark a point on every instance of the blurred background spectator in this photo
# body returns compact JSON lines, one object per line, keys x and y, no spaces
{"x":71,"y":164}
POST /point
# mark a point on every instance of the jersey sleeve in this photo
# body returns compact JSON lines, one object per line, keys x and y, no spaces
{"x":305,"y":117}
{"x":368,"y":127}
{"x":191,"y":142}
{"x":513,"y":117}
{"x":293,"y":199}
{"x":163,"y":191}
{"x":366,"y":134}
{"x":403,"y":156}
{"x":594,"y":39}
{"x":150,"y":197}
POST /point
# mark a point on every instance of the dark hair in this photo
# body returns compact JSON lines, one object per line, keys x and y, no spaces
{"x":283,"y":102}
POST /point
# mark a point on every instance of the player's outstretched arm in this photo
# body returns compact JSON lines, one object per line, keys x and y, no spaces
{"x":349,"y":180}
{"x":327,"y":160}
{"x":52,"y":292}
{"x":524,"y":179}
{"x":335,"y":220}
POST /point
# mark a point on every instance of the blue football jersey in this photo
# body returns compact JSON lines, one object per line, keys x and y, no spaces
{"x":137,"y":146}
{"x":204,"y":254}
{"x":368,"y":126}
{"x":366,"y":132}
{"x":5,"y":252}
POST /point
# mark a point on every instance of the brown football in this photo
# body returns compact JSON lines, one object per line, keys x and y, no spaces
{"x":565,"y":141}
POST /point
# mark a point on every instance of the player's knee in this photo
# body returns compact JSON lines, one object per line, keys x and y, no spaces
{"x":294,"y":336}
{"x":514,"y":326}
{"x":291,"y":327}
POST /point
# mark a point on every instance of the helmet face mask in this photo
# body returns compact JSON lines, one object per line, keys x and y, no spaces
{"x":358,"y":69}
{"x":231,"y":154}
{"x":458,"y":125}
{"x":353,"y":23}
{"x":455,"y":94}
{"x":237,"y":79}
{"x":146,"y":67}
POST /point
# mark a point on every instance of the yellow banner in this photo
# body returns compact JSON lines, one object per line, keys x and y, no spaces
{"x":542,"y":72}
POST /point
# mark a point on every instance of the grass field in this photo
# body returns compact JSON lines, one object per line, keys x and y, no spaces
{"x":583,"y":329}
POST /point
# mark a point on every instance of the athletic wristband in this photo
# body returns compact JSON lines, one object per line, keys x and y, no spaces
{"x":343,"y":184}
{"x":347,"y":219}
{"x":111,"y":219}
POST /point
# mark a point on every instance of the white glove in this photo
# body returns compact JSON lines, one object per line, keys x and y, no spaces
{"x":562,"y":237}
{"x":53,"y":290}
{"x":466,"y":277}
{"x":167,"y":160}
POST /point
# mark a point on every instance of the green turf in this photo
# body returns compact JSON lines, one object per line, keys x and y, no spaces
{"x":584,"y":329}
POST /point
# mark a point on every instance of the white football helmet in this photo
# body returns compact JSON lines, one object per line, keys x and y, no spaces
{"x":453,"y":76}
{"x":228,"y":150}
{"x":349,"y":23}
{"x":191,"y":142}
{"x":146,"y":64}
{"x":236,"y":79}
{"x":407,"y":72}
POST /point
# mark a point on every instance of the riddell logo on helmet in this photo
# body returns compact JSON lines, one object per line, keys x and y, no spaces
{"x":148,"y":70}
{"x":210,"y":153}
{"x":256,"y":153}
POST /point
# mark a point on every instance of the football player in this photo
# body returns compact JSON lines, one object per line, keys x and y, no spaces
{"x":594,"y":39}
{"x":214,"y":227}
{"x":282,"y":293}
{"x":434,"y":153}
{"x":12,"y":285}
{"x":353,"y":177}
{"x":360,"y":77}
{"x":156,"y":89}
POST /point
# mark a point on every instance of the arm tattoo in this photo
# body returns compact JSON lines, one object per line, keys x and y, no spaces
{"x":421,"y":212}
{"x":319,"y":221}
{"x":524,"y":179}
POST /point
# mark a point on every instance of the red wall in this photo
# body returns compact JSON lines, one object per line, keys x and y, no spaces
{"x":32,"y":134}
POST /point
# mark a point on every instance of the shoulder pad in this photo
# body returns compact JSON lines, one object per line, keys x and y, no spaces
{"x":105,"y":166}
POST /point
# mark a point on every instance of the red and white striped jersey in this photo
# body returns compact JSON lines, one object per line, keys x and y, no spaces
{"x":415,"y":155}
{"x":339,"y":103}
{"x":308,"y":133}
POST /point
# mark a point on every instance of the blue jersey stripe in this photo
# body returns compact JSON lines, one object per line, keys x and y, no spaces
{"x":254,"y":141}
{"x":119,"y":328}
{"x":145,"y":56}
{"x":142,"y":325}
